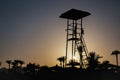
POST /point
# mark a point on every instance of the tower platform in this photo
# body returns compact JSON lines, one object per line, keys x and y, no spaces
{"x":74,"y":14}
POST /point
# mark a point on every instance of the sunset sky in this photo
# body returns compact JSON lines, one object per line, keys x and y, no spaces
{"x":31,"y":30}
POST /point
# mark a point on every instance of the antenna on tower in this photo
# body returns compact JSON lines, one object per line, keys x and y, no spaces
{"x":75,"y":34}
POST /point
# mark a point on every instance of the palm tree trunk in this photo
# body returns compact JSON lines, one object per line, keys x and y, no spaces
{"x":9,"y":66}
{"x":61,"y":64}
{"x":117,"y":60}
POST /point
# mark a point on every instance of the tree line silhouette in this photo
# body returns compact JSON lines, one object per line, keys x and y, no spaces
{"x":94,"y":69}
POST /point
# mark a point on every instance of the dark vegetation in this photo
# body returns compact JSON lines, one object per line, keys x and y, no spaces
{"x":95,"y":70}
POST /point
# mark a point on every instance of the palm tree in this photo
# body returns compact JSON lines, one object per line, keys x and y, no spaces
{"x":31,"y":67}
{"x":61,"y":60}
{"x":0,"y":63}
{"x":9,"y":62}
{"x":93,"y":60}
{"x":21,"y":63}
{"x":15,"y":65}
{"x":116,"y":53}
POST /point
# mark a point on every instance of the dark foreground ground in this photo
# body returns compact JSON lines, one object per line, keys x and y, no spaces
{"x":61,"y":74}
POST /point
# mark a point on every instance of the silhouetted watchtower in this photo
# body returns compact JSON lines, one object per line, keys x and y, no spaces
{"x":74,"y":37}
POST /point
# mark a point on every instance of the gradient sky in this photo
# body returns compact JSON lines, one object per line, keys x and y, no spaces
{"x":31,"y":30}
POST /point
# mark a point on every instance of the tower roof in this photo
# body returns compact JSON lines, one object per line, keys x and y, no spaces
{"x":74,"y":14}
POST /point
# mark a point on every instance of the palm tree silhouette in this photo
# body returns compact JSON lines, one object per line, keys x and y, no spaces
{"x":61,"y":60}
{"x":31,"y":67}
{"x":116,"y":53}
{"x":0,"y":63}
{"x":9,"y":62}
{"x":21,"y":63}
{"x":15,"y":65}
{"x":93,"y":60}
